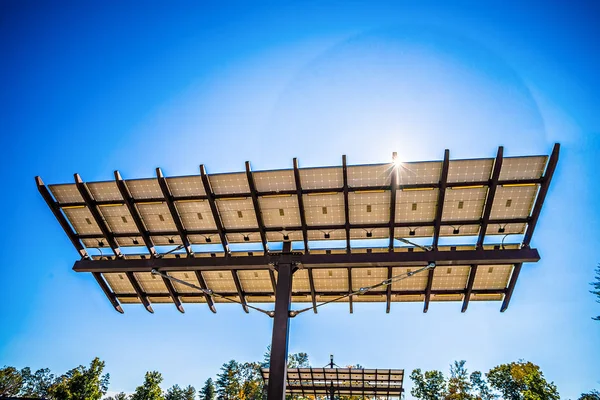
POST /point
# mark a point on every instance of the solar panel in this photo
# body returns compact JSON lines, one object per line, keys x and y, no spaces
{"x":324,"y":382}
{"x":346,"y":211}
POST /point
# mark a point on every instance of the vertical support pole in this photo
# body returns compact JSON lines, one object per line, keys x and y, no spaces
{"x":281,"y":325}
{"x":331,"y":392}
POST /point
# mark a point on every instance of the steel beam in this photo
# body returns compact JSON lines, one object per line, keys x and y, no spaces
{"x":173,"y":294}
{"x":89,"y":201}
{"x":255,"y":202}
{"x":281,"y":323}
{"x":537,"y":208}
{"x":467,"y":298}
{"x":240,"y":292}
{"x":485,"y":218}
{"x":440,"y":201}
{"x":350,"y":290}
{"x":346,"y":204}
{"x":357,"y":260}
{"x":301,"y":206}
{"x":213,"y":208}
{"x":393,"y":190}
{"x":62,"y":220}
{"x":324,"y":190}
{"x":321,"y":227}
{"x":428,"y":290}
{"x":164,"y":187}
{"x":137,"y":219}
{"x":209,"y":300}
{"x":313,"y":296}
{"x":109,"y":293}
{"x":388,"y":294}
{"x":139,"y":291}
{"x":511,"y":286}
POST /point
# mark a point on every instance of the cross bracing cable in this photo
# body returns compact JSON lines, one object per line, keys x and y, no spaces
{"x":364,"y":290}
{"x":211,"y":293}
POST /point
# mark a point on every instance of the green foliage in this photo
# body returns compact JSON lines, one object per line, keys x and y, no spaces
{"x":459,"y":386}
{"x":208,"y":390}
{"x":298,"y":360}
{"x":118,"y":396}
{"x":150,"y":389}
{"x":521,"y":381}
{"x":596,"y":286}
{"x":228,"y":383}
{"x":81,"y":383}
{"x":11,"y":381}
{"x":38,"y":384}
{"x":428,"y":386}
{"x":481,"y":388}
{"x":177,"y":393}
{"x":593,"y":395}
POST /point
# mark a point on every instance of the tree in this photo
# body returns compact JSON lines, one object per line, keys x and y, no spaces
{"x":208,"y":390}
{"x":177,"y":393}
{"x":81,"y":383}
{"x":36,"y":385}
{"x":593,"y":395}
{"x":596,"y":286}
{"x":521,"y":381}
{"x":228,"y":382}
{"x":252,"y":382}
{"x":11,"y":381}
{"x":481,"y":387}
{"x":150,"y":389}
{"x":118,"y":396}
{"x":459,"y":387}
{"x":298,"y":360}
{"x":428,"y":386}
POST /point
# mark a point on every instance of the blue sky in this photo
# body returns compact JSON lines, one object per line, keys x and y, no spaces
{"x":91,"y":87}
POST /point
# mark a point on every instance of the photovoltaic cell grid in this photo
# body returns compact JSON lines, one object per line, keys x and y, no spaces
{"x":323,"y":203}
{"x":380,"y":383}
{"x":314,"y":206}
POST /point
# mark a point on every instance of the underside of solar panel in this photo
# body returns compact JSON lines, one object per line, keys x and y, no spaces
{"x":466,"y":206}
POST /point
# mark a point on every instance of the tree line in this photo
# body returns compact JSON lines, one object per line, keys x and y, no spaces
{"x":520,"y":380}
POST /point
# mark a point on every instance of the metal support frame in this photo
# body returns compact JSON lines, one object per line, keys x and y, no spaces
{"x":441,"y":197}
{"x":511,"y":286}
{"x":209,"y":300}
{"x":388,"y":295}
{"x":491,"y":193}
{"x":350,"y":290}
{"x":238,"y":287}
{"x":537,"y":208}
{"x":213,"y":208}
{"x":129,"y":202}
{"x":470,"y":283}
{"x":281,"y":325}
{"x":139,"y":291}
{"x":346,"y":203}
{"x":313,"y":296}
{"x":428,"y":290}
{"x":164,"y":187}
{"x":255,"y":202}
{"x":301,"y":206}
{"x":393,"y":190}
{"x":93,"y":208}
{"x":62,"y":220}
{"x":109,"y":294}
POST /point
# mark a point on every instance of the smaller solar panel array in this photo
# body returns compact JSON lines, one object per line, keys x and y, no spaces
{"x":318,"y":382}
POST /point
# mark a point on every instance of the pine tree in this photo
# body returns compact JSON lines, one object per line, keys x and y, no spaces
{"x":596,"y":291}
{"x":459,"y":387}
{"x":150,"y":389}
{"x":208,"y":390}
{"x":228,"y":382}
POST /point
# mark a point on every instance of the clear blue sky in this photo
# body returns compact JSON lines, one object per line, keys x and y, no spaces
{"x":90,"y":87}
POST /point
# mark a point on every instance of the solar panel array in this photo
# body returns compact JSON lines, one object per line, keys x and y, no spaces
{"x":317,"y":382}
{"x":218,"y":215}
